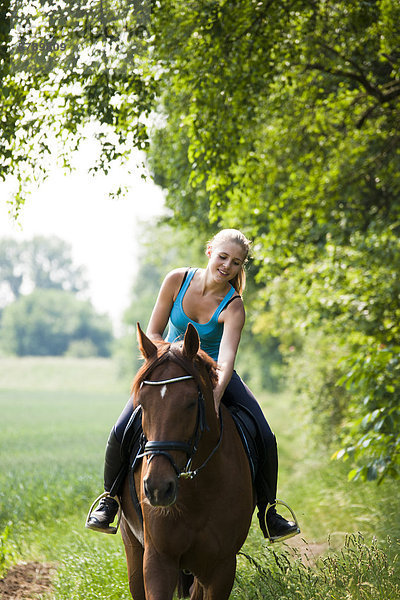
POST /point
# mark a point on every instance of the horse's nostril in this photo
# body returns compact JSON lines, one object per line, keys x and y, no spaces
{"x":170,"y":490}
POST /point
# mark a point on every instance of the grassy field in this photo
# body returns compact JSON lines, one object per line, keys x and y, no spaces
{"x":55,"y":418}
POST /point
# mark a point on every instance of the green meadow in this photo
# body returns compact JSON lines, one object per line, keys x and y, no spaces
{"x":55,"y":418}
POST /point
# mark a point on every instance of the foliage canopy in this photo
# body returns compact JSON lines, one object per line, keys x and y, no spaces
{"x":283,"y":120}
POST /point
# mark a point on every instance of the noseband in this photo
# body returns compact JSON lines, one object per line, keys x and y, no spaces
{"x":150,"y":449}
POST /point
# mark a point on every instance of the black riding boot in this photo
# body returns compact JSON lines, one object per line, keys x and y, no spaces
{"x":115,"y":468}
{"x":272,"y":524}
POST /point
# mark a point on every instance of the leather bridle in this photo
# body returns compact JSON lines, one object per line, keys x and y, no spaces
{"x":153,"y":448}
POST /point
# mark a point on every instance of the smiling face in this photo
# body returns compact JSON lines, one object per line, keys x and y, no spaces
{"x":226,"y":259}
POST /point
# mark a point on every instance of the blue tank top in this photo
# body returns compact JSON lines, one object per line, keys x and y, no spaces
{"x":210,"y":333}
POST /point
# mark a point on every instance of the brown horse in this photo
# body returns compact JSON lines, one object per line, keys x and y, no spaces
{"x":193,"y":482}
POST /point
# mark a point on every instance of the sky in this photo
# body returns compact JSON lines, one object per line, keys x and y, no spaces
{"x":104,"y":232}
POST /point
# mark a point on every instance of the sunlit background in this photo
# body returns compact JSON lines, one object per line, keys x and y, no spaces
{"x":103,"y":231}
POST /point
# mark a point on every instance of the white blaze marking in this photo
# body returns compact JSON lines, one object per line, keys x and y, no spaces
{"x":163,"y":391}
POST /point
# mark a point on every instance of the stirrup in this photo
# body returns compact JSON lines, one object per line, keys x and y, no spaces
{"x":114,"y":529}
{"x":283,"y":537}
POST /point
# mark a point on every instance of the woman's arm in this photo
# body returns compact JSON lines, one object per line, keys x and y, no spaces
{"x":162,"y":308}
{"x":234,"y":319}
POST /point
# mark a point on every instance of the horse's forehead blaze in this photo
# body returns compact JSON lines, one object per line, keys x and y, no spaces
{"x":169,"y":396}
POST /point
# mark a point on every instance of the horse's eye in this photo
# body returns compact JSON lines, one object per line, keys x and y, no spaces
{"x":191,"y":405}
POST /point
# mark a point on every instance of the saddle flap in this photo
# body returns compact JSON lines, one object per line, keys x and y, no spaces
{"x":131,"y":448}
{"x":248,"y":431}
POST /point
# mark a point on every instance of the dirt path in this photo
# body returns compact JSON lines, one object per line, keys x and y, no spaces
{"x":309,"y":552}
{"x":26,"y":581}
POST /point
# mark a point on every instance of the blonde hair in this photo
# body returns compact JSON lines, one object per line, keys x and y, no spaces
{"x":236,"y":236}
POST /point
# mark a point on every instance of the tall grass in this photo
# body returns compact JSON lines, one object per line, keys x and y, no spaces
{"x":55,"y":418}
{"x":326,"y":503}
{"x":360,"y":571}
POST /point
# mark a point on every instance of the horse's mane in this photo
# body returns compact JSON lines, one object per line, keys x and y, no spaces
{"x":201,"y":364}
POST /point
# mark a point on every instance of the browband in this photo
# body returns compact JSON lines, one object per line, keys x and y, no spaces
{"x":164,"y":381}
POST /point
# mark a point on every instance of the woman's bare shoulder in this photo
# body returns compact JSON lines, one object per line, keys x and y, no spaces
{"x":235,"y":310}
{"x":236,"y":305}
{"x":173,"y":280}
{"x":177,"y":272}
{"x":176,"y":275}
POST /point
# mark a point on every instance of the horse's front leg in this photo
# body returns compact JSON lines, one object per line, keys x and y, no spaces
{"x":160,"y":575}
{"x":134,"y":561}
{"x":219,"y":585}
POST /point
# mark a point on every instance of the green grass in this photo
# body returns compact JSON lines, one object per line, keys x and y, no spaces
{"x":55,"y":418}
{"x":56,"y":415}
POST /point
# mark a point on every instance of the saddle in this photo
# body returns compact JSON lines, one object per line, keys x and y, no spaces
{"x":246,"y":425}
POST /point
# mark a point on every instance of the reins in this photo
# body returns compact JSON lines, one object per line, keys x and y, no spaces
{"x":154,"y":448}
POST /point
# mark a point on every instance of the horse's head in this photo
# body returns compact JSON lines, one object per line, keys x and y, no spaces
{"x":174,"y":389}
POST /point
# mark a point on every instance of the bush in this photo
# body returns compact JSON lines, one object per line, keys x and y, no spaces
{"x":313,"y":373}
{"x":82,"y":349}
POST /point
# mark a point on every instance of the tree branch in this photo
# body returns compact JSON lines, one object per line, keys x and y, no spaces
{"x":373,"y":91}
{"x":366,"y":115}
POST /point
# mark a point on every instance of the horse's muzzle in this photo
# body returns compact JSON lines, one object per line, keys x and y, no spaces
{"x":160,"y":491}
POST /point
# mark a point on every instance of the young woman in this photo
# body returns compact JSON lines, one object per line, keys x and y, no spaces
{"x":211,"y":300}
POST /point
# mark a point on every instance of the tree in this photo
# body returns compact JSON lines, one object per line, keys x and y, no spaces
{"x":11,"y":275}
{"x":61,"y":65}
{"x":48,"y":322}
{"x":42,"y":262}
{"x":282,"y":119}
{"x":51,"y":266}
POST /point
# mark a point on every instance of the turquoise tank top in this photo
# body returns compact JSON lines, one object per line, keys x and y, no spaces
{"x":210,"y":333}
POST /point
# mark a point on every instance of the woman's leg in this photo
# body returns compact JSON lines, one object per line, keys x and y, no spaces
{"x":115,"y":467}
{"x":237,"y":393}
{"x":115,"y":463}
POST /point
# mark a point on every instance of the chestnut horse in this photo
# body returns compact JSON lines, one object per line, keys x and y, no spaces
{"x":193,"y":481}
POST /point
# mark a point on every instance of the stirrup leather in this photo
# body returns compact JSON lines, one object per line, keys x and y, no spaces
{"x":283,"y":537}
{"x":114,"y":529}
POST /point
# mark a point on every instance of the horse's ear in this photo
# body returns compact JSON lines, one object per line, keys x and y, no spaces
{"x":146,"y":346}
{"x":191,"y":342}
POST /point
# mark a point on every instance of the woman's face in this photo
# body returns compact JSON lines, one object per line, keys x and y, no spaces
{"x":225,"y":260}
